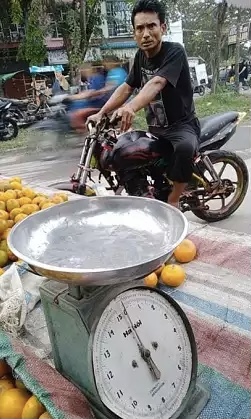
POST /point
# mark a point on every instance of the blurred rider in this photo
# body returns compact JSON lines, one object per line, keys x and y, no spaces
{"x":100,"y":89}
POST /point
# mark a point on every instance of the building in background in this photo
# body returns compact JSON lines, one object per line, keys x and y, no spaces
{"x":117,"y":39}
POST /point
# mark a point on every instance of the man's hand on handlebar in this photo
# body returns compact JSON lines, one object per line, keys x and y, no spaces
{"x":94,"y":119}
{"x":79,"y":120}
{"x":126,"y":114}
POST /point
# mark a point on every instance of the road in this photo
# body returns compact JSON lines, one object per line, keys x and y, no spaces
{"x":36,"y":171}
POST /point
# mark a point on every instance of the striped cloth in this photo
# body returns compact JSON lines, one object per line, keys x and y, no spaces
{"x":217,"y":300}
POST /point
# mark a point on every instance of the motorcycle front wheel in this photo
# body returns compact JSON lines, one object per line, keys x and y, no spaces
{"x":10,"y":130}
{"x":223,"y":162}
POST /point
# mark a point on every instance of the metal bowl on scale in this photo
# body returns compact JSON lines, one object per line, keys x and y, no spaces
{"x":100,"y":240}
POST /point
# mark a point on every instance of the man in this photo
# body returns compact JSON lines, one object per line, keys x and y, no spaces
{"x":161,"y":71}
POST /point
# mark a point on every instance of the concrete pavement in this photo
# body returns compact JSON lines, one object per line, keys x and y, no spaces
{"x":38,"y":172}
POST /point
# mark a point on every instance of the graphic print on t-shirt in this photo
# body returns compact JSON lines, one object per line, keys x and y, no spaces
{"x":155,"y":111}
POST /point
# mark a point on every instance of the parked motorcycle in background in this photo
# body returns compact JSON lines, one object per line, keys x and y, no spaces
{"x":8,"y":126}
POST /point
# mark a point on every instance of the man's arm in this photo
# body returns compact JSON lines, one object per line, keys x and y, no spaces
{"x":148,"y":93}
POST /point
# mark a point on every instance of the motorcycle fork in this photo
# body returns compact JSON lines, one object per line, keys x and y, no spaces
{"x":85,"y":161}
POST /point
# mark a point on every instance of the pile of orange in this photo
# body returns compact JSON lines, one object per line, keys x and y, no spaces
{"x":173,"y":274}
{"x":16,"y":402}
{"x":16,"y":203}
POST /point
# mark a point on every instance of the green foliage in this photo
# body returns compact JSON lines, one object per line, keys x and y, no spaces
{"x":16,"y":11}
{"x":209,"y":105}
{"x":223,"y":101}
{"x":32,"y":48}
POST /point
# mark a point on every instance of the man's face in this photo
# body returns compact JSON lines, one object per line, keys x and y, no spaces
{"x":148,"y":31}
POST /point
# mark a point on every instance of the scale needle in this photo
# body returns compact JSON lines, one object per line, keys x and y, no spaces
{"x":145,"y":353}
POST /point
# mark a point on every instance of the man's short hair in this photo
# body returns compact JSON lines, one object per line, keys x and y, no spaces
{"x":153,"y":6}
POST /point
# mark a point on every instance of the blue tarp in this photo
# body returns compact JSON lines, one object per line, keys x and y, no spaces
{"x":46,"y":69}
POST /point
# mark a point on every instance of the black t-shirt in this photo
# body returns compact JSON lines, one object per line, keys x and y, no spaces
{"x":174,"y":103}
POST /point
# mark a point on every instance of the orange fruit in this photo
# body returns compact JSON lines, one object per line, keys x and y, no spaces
{"x":44,"y":201}
{"x":64,"y":196}
{"x":159,"y":270}
{"x":151,"y":280}
{"x":2,"y":205}
{"x":29,"y":208}
{"x":15,"y":185}
{"x":39,"y":199}
{"x":4,"y":185}
{"x":1,"y":271}
{"x":3,"y":245}
{"x":5,"y":234}
{"x":20,"y":217}
{"x":12,"y":403}
{"x":10,"y":194}
{"x":19,"y":194}
{"x":33,"y":408}
{"x":10,"y":223}
{"x":29,"y":193}
{"x":57,"y":199}
{"x":45,"y":415}
{"x":47,"y":205}
{"x":11,"y":204}
{"x":3,"y":225}
{"x":6,"y":384}
{"x":14,"y":213}
{"x":3,"y":258}
{"x":4,"y":215}
{"x":15,"y":179}
{"x":185,"y":252}
{"x":4,"y":368}
{"x":24,"y":200}
{"x":173,"y":275}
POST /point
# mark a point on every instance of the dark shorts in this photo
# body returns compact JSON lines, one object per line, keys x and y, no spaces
{"x":180,"y":145}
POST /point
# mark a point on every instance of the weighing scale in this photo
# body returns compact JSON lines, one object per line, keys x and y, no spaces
{"x":129,"y":348}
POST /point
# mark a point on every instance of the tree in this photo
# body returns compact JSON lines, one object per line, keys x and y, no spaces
{"x":77,"y":21}
{"x":220,"y":20}
{"x":238,"y":17}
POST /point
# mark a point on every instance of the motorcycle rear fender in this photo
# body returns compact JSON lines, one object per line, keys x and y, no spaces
{"x":220,"y":139}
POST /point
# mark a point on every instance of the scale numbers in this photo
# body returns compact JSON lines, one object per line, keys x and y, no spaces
{"x":128,"y":384}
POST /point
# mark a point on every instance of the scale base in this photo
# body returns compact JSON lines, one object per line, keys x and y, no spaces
{"x":196,"y":404}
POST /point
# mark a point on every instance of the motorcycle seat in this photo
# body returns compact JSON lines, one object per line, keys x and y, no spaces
{"x":19,"y":102}
{"x":211,"y":125}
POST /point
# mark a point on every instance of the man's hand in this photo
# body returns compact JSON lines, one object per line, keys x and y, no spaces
{"x":80,"y":118}
{"x":127,"y":114}
{"x":94,"y":119}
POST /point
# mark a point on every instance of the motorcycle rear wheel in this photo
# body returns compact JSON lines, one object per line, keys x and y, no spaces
{"x":14,"y":128}
{"x":227,"y":157}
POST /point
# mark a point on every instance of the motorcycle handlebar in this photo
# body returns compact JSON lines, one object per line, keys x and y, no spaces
{"x":105,"y":123}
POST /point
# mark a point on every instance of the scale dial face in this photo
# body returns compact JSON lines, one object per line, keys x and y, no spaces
{"x":142,"y":356}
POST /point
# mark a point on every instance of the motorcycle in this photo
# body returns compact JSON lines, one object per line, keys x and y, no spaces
{"x":8,"y":126}
{"x":127,"y":161}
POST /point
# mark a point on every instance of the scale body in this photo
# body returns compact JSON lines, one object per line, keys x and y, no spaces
{"x":72,"y":314}
{"x":95,"y":253}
